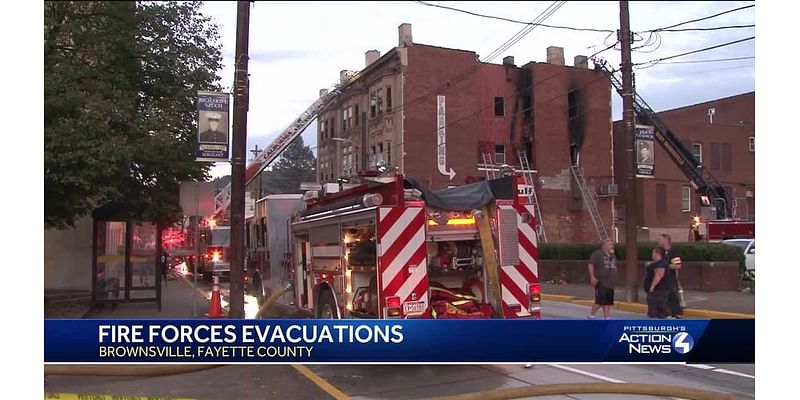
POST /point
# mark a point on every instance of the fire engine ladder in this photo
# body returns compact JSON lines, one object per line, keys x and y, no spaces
{"x":488,"y":163}
{"x":590,"y":201}
{"x":223,"y":199}
{"x":530,"y":181}
{"x":700,"y":178}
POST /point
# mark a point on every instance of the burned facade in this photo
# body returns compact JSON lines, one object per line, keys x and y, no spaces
{"x":491,"y":114}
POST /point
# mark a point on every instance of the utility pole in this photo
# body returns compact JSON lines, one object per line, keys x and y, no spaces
{"x":629,"y":120}
{"x":239,"y":156}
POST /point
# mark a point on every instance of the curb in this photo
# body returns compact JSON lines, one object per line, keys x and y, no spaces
{"x":642,"y":308}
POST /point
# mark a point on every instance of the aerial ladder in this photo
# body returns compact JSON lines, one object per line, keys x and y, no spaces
{"x":223,"y":199}
{"x":701,"y":180}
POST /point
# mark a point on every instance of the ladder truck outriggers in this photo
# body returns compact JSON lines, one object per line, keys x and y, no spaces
{"x":390,"y":248}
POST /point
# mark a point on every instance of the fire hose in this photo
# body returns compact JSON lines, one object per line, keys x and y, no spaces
{"x":146,"y":370}
{"x":593,"y":388}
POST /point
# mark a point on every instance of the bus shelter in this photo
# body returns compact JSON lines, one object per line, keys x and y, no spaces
{"x":125,"y":265}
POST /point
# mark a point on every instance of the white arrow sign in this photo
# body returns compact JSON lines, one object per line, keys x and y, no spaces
{"x":441,"y":149}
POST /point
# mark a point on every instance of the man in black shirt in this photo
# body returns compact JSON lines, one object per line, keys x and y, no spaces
{"x":657,"y":285}
{"x":674,"y":261}
{"x":603,"y":276}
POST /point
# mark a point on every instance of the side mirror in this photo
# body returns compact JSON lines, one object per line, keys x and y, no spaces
{"x":752,"y":251}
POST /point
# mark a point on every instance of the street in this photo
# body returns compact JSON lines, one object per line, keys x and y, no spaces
{"x":400,"y":381}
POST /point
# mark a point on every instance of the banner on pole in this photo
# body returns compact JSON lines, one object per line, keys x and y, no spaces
{"x":645,"y":151}
{"x":213,"y":135}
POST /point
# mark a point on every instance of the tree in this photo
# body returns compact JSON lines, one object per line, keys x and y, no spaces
{"x":121,"y":79}
{"x":296,"y":164}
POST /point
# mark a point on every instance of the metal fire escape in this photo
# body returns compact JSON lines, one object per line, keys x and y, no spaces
{"x":700,"y":178}
{"x":223,"y":199}
{"x":590,"y":201}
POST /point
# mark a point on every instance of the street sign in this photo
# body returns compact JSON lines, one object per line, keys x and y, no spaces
{"x":213,"y":135}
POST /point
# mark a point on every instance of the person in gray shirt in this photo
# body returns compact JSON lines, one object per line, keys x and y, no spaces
{"x":603,"y":276}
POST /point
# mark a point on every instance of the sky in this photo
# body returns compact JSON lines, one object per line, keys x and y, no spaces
{"x":297,"y":48}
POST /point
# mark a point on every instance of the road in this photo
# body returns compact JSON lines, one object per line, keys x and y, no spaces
{"x":413,"y":382}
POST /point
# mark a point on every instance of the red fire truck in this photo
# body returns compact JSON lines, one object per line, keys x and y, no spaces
{"x":390,"y":248}
{"x":718,"y":230}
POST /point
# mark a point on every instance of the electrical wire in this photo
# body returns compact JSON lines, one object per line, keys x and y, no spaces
{"x":702,"y":19}
{"x":710,"y":61}
{"x":455,"y":80}
{"x":658,"y":60}
{"x":511,"y":20}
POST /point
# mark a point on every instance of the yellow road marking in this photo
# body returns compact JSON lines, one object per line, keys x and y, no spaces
{"x":322,"y":383}
{"x":74,"y":396}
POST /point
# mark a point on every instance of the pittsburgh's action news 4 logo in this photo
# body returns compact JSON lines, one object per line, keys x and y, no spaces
{"x":657,"y":339}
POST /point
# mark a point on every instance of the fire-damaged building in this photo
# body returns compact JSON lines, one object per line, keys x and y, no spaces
{"x":721,"y":136}
{"x":445,"y":118}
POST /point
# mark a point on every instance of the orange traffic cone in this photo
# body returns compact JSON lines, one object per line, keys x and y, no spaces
{"x":215,"y":306}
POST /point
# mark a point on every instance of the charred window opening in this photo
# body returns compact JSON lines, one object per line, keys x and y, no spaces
{"x":527,"y":106}
{"x":575,"y":124}
{"x":574,"y":104}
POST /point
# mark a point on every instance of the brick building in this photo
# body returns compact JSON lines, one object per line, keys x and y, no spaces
{"x":721,"y":135}
{"x":551,"y":112}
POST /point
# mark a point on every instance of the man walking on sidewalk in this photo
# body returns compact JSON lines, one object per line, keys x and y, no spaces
{"x":603,"y":276}
{"x":674,"y":261}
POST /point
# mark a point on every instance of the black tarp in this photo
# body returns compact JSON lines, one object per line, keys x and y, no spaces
{"x":462,"y":198}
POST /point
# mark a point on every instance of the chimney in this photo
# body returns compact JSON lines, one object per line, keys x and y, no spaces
{"x":508,"y":60}
{"x":371,"y":56}
{"x":343,"y":75}
{"x":404,"y":31}
{"x":582,"y":62}
{"x":555,"y":55}
{"x":323,"y":92}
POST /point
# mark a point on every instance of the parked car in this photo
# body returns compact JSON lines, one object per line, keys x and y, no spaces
{"x":748,"y":246}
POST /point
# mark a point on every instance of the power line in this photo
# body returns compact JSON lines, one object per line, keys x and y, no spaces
{"x":513,"y":20}
{"x":455,"y":80}
{"x":710,"y":61}
{"x":712,"y":28}
{"x":696,"y":51}
{"x":703,"y":18}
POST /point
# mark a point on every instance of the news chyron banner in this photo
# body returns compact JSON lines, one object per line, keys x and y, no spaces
{"x":402,"y":341}
{"x":213,"y":135}
{"x":645,"y":151}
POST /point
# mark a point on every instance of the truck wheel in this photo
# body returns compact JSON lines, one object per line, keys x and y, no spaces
{"x":327,"y":306}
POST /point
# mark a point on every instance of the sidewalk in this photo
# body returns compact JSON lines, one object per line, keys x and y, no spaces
{"x":724,"y":302}
{"x":178,"y":300}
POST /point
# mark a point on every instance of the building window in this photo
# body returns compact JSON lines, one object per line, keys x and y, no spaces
{"x":500,"y":154}
{"x":572,"y":103}
{"x":686,"y":199}
{"x":388,"y":98}
{"x":726,"y":157}
{"x":697,"y":152}
{"x":389,"y":153}
{"x":752,"y":144}
{"x":380,"y":101}
{"x":527,"y":106}
{"x":661,"y":201}
{"x":358,"y":115}
{"x":499,"y":107}
{"x":715,"y":156}
{"x":373,"y":105}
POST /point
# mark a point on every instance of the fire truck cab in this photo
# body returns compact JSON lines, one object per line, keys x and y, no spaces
{"x":390,"y":248}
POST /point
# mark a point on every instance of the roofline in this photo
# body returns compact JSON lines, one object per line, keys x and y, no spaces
{"x":709,"y":101}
